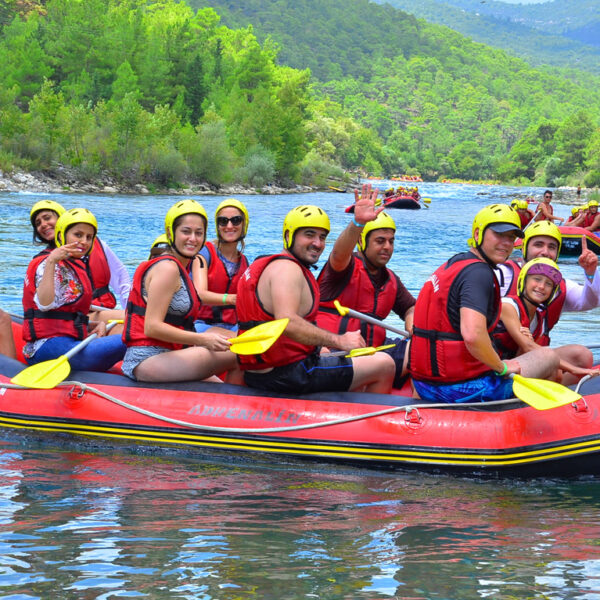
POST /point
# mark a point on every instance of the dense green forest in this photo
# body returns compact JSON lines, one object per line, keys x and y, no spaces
{"x":536,"y":46}
{"x":558,"y":16}
{"x":442,"y":105}
{"x":266,"y":90}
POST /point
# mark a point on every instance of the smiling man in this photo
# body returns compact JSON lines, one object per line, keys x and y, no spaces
{"x":282,"y":286}
{"x":362,"y":281}
{"x":452,"y":357}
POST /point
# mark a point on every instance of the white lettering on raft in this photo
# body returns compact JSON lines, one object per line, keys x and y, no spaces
{"x":283,"y":416}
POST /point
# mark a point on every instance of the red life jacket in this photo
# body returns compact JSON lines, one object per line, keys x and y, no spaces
{"x":361,"y":295}
{"x":251,"y":313}
{"x":438,"y":353}
{"x":540,"y":216}
{"x":506,"y":347}
{"x":69,"y":320}
{"x":220,"y":282}
{"x":515,"y":268}
{"x":525,"y":218}
{"x":133,"y":331}
{"x":588,"y":220}
{"x":99,"y":273}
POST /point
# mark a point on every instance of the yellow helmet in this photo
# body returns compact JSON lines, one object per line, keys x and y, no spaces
{"x":234,"y":204}
{"x":514,"y":203}
{"x":383,"y":221}
{"x":541,"y":228}
{"x":541,"y":266}
{"x":70,"y":218}
{"x":523,"y":205}
{"x":306,"y":215}
{"x":575,"y":210}
{"x":45,"y":205}
{"x":499,"y":217}
{"x":592,"y":203}
{"x":160,"y":243}
{"x":183,"y":207}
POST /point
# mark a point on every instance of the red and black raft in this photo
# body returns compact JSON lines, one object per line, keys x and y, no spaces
{"x":403,"y":202}
{"x":507,"y":438}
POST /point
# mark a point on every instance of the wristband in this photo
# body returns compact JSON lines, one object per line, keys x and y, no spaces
{"x":504,"y":371}
{"x":361,"y":225}
{"x":224,"y":299}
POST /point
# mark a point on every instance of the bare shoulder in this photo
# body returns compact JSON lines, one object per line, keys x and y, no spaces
{"x":282,"y":269}
{"x":163,"y":272}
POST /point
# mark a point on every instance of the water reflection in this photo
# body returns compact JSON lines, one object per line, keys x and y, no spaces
{"x":110,"y":526}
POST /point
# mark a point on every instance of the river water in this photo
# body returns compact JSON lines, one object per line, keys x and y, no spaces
{"x":90,"y":521}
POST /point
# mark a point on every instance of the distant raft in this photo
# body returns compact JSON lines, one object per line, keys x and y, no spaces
{"x":404,"y":202}
{"x":571,"y":241}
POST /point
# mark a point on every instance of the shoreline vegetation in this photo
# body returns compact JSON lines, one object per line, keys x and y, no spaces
{"x":65,"y":181}
{"x":148,"y":95}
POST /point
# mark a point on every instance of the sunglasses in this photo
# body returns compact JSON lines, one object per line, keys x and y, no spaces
{"x":235,"y":221}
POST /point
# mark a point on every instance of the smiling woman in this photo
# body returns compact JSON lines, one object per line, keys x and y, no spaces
{"x":57,"y":296}
{"x":223,"y":263}
{"x":162,"y":344}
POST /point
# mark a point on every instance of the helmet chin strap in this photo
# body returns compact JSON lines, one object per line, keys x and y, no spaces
{"x":302,"y":262}
{"x":538,"y":305}
{"x":492,"y":265}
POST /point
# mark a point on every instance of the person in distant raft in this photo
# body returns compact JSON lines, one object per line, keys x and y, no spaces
{"x":282,"y":286}
{"x":592,"y":219}
{"x":451,"y":355}
{"x":545,"y":212}
{"x":363,"y":282}
{"x":525,"y":324}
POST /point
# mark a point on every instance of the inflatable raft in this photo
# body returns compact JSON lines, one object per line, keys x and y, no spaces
{"x":571,"y":240}
{"x":505,"y":437}
{"x":404,"y":202}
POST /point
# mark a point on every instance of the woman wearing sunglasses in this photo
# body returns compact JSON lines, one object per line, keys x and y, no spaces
{"x":216,"y":276}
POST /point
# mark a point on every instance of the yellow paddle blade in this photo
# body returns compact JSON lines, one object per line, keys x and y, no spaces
{"x":542,"y":394}
{"x":45,"y":375}
{"x":426,"y":200}
{"x":258,"y":339}
{"x":367,"y":351}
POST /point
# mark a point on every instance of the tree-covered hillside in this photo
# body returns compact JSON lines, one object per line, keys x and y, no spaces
{"x":577,"y":19}
{"x":159,"y":91}
{"x":441,"y":104}
{"x":538,"y":47}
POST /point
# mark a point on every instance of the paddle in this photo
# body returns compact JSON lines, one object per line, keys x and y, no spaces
{"x":48,"y":374}
{"x":359,"y":351}
{"x":426,"y":202}
{"x":258,"y":339}
{"x":542,"y":394}
{"x":344,"y":310}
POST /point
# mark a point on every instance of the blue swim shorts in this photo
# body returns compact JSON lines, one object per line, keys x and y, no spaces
{"x":488,"y":387}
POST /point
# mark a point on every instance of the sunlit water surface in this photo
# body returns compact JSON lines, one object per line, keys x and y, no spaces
{"x":92,"y":522}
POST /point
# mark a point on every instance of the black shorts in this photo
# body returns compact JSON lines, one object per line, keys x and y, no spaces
{"x":397,"y":353}
{"x":315,"y":373}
